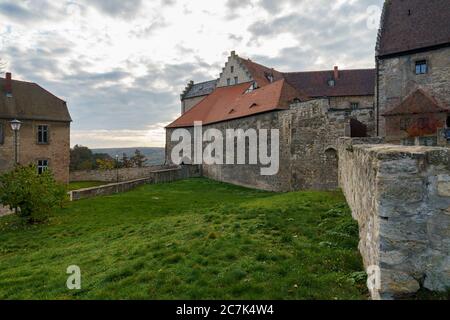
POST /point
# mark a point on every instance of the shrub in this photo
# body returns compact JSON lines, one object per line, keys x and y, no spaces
{"x":33,"y":195}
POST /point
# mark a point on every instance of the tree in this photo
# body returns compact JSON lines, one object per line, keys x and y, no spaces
{"x":138,"y":159}
{"x":32,"y":195}
{"x":106,"y":164}
{"x":81,"y":158}
{"x":126,"y":162}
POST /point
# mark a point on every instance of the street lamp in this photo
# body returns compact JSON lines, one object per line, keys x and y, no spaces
{"x":15,"y":126}
{"x":117,"y":167}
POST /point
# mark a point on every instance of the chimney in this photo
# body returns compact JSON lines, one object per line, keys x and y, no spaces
{"x":8,"y":83}
{"x":233,"y":53}
{"x":336,"y":72}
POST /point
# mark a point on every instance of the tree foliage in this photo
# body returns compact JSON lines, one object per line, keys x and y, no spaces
{"x":82,"y":158}
{"x":106,"y":164}
{"x":138,"y":159}
{"x":32,"y":195}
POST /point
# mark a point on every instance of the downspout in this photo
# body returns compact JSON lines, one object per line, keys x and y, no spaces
{"x":378,"y":96}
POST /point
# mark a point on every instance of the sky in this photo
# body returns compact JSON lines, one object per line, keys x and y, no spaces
{"x":121,"y":65}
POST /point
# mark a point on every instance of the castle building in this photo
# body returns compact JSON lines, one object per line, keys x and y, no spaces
{"x":404,"y":100}
{"x":44,"y":135}
{"x":311,"y":110}
{"x":413,"y":72}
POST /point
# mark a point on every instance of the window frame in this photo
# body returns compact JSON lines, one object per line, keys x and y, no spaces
{"x":354,"y":106}
{"x":47,"y":131}
{"x":232,"y":69}
{"x":41,"y":168}
{"x":421,"y":67}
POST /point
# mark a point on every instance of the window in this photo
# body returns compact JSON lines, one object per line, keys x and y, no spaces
{"x":270,"y":78}
{"x":42,"y":166}
{"x":354,"y":105}
{"x":236,"y":80}
{"x":42,"y":134}
{"x":2,"y":136}
{"x":421,"y":67}
{"x":331,"y":83}
{"x":232,"y":69}
{"x":228,"y":81}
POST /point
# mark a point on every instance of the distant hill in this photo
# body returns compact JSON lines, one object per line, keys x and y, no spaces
{"x":155,"y":156}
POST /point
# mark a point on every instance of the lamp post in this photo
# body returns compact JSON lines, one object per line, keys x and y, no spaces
{"x":117,"y":167}
{"x":15,"y":126}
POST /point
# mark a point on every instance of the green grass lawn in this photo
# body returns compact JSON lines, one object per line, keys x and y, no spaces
{"x":84,"y":184}
{"x":193,"y":239}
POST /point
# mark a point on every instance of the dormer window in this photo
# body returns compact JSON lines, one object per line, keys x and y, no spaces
{"x":270,"y":78}
{"x":331,"y":83}
{"x":296,"y":100}
{"x":421,"y":67}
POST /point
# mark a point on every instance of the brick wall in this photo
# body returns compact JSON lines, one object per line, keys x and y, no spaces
{"x":57,"y":151}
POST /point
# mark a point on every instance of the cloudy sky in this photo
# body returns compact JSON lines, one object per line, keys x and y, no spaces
{"x":121,"y":65}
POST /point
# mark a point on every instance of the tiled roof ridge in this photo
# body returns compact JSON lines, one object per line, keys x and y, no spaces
{"x":328,"y":70}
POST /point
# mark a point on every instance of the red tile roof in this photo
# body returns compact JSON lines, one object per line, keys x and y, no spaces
{"x":350,"y":83}
{"x":231,"y":102}
{"x":418,"y":102}
{"x":260,"y":72}
{"x":413,"y":24}
{"x":30,"y":101}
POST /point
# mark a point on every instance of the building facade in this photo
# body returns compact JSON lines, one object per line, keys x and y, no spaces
{"x":405,"y":100}
{"x":44,"y":136}
{"x":413,"y":72}
{"x":311,"y":110}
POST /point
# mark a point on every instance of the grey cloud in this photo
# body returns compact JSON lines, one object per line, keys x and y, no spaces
{"x":324,"y":34}
{"x":29,"y":12}
{"x":234,"y":6}
{"x":116,"y":8}
{"x":102,"y":101}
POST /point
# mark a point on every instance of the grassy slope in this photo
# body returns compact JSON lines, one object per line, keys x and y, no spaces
{"x":193,"y":239}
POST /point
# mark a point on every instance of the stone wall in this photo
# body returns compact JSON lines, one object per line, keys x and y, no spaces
{"x":154,"y":177}
{"x":365,"y":113}
{"x":57,"y":151}
{"x":308,"y":147}
{"x":124,"y":174}
{"x":400,"y":197}
{"x":398,"y":79}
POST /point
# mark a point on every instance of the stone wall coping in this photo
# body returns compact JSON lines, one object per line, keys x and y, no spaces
{"x":394,"y":152}
{"x":110,"y":185}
